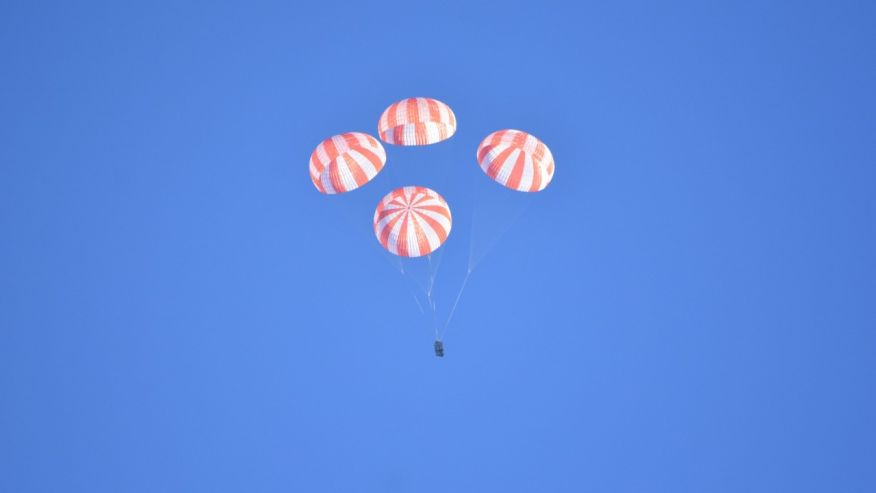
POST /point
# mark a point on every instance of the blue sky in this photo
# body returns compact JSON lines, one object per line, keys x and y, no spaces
{"x":689,"y":306}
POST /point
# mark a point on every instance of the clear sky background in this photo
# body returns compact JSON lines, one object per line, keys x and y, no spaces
{"x":689,"y":307}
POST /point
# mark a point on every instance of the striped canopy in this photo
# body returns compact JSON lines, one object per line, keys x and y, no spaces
{"x":346,"y":162}
{"x":412,"y":221}
{"x":416,"y":122}
{"x":516,"y":160}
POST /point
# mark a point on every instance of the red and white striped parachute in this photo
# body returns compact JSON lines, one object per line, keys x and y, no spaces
{"x":346,"y":162}
{"x":416,"y":122}
{"x":412,"y":221}
{"x":516,"y":160}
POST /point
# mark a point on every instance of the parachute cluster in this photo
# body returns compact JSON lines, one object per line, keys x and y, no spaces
{"x":414,"y":221}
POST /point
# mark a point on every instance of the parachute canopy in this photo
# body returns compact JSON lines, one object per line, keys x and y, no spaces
{"x":516,"y":160}
{"x":346,"y":162}
{"x":416,"y":122}
{"x":412,"y":221}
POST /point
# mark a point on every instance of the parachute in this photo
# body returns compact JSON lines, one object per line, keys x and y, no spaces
{"x":517,"y":160}
{"x":346,"y":162}
{"x":416,"y":122}
{"x":412,"y":221}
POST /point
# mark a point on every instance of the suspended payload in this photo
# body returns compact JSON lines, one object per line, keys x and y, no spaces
{"x":516,"y":160}
{"x":416,"y":122}
{"x":412,"y":221}
{"x":346,"y":162}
